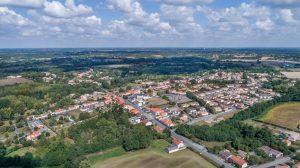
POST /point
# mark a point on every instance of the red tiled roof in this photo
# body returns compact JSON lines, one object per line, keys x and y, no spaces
{"x":134,"y":111}
{"x":36,"y":133}
{"x":167,"y":121}
{"x":120,"y":100}
{"x":176,"y":141}
{"x":158,"y":129}
{"x":237,"y":160}
{"x":156,"y":109}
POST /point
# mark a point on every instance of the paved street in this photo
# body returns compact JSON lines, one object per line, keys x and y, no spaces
{"x":210,"y":117}
{"x":274,"y":163}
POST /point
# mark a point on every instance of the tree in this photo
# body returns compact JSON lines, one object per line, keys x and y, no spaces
{"x":2,"y":150}
{"x":253,"y":160}
{"x":193,"y":82}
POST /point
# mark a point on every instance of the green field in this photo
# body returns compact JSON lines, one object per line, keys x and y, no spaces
{"x":153,"y":157}
{"x":284,"y":115}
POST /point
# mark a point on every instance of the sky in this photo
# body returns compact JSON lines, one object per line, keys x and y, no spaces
{"x":149,"y":23}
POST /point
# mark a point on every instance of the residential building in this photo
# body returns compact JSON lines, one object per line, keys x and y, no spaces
{"x":176,"y":146}
{"x":271,"y":152}
{"x":238,"y":161}
{"x":225,"y":154}
{"x":167,"y":122}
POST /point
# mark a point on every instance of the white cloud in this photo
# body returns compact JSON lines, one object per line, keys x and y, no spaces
{"x":227,"y":19}
{"x":137,"y":17}
{"x":243,"y":19}
{"x":266,"y":24}
{"x":181,"y":18}
{"x":287,"y":15}
{"x":23,"y":3}
{"x":10,"y":17}
{"x":281,"y":3}
{"x":13,"y":24}
{"x":90,"y":25}
{"x":183,"y":2}
{"x":57,"y":9}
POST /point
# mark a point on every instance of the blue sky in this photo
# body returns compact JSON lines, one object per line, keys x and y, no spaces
{"x":149,"y":23}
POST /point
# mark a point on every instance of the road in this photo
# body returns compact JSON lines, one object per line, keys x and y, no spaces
{"x":202,"y":150}
{"x":209,"y":117}
{"x":189,"y":143}
{"x":274,"y":163}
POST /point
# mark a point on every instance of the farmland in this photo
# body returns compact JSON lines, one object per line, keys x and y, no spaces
{"x":292,"y":75}
{"x":12,"y":81}
{"x":284,"y":115}
{"x":148,"y":158}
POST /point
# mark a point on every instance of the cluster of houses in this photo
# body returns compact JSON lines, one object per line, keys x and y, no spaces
{"x":240,"y":159}
{"x":236,"y":160}
{"x":236,"y":96}
{"x":86,"y":103}
{"x":288,"y":137}
{"x":37,"y":128}
{"x":49,"y":77}
{"x":83,"y":77}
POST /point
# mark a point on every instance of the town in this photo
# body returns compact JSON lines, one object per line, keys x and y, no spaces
{"x":208,"y":98}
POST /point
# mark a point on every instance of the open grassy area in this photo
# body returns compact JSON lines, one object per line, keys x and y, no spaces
{"x":156,"y":102}
{"x":213,"y":143}
{"x":284,"y":115}
{"x":22,"y":151}
{"x":154,"y":156}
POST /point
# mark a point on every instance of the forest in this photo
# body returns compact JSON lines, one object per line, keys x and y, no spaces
{"x":107,"y":130}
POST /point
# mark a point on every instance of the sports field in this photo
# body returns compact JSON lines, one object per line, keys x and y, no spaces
{"x":284,"y":115}
{"x":153,"y":157}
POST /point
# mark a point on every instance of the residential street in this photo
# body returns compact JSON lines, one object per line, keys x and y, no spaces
{"x":209,"y":117}
{"x":273,"y":163}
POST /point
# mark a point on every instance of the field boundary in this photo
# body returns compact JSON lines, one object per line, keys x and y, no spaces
{"x":295,"y":130}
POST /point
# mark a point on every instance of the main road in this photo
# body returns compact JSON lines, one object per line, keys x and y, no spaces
{"x":189,"y":143}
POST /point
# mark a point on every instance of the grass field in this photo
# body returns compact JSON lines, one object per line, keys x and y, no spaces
{"x":156,"y":102}
{"x":22,"y":151}
{"x":284,"y":115}
{"x":153,"y":157}
{"x":4,"y":82}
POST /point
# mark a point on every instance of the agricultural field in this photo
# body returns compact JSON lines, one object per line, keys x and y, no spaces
{"x":12,"y":81}
{"x":292,"y":75}
{"x":149,"y":158}
{"x":284,"y":115}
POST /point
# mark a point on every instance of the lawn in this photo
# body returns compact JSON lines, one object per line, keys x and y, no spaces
{"x":284,"y":115}
{"x":154,"y":156}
